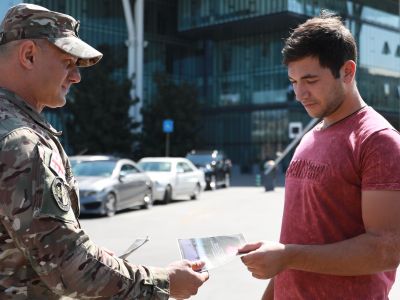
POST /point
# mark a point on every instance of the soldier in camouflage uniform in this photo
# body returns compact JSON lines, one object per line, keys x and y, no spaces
{"x":44,"y":253}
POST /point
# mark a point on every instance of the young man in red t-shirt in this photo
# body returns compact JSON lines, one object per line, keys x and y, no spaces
{"x":340,"y":235}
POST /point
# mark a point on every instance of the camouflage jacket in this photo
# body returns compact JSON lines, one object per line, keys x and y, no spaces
{"x":44,"y":253}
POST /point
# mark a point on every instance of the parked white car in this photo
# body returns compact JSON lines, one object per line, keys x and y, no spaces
{"x":173,"y":177}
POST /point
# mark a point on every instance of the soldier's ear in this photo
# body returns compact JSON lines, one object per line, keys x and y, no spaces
{"x":27,"y":52}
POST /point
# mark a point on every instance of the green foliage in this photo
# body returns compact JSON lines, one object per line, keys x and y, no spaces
{"x":99,"y":122}
{"x":176,"y":102}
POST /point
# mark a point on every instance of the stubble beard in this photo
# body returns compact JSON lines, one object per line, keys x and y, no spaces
{"x":333,"y":104}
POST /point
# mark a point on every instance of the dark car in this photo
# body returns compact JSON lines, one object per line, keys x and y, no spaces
{"x":108,"y":184}
{"x":215,"y":165}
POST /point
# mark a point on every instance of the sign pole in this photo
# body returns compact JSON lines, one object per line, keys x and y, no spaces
{"x":168,"y":127}
{"x":166,"y":144}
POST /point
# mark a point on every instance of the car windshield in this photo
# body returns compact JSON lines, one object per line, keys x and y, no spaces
{"x":155,"y":166}
{"x":100,"y":168}
{"x":200,"y":159}
{"x":73,"y":163}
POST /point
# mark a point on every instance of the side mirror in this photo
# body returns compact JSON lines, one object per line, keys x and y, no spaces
{"x":121,"y":176}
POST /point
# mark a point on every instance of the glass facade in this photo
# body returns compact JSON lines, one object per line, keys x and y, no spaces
{"x":248,"y":70}
{"x":199,"y":13}
{"x":247,"y":82}
{"x":231,"y":51}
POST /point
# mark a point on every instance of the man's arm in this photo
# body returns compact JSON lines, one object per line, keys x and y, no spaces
{"x":44,"y":229}
{"x":377,"y":250}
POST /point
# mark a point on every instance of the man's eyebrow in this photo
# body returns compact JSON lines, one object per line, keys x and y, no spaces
{"x":307,"y":76}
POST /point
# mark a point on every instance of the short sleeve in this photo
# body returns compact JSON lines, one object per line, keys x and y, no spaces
{"x":380,"y":161}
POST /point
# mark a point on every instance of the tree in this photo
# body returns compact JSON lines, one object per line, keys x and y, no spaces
{"x":99,"y":120}
{"x":176,"y":102}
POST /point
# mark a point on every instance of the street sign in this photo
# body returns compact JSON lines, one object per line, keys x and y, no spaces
{"x":168,"y":126}
{"x":295,"y":128}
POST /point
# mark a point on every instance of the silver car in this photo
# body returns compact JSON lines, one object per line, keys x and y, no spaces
{"x":173,"y":177}
{"x":108,"y":184}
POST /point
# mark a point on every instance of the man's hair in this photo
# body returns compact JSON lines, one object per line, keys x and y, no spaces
{"x":7,"y":49}
{"x":324,"y":37}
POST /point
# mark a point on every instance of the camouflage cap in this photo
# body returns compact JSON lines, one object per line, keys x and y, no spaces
{"x":30,"y":21}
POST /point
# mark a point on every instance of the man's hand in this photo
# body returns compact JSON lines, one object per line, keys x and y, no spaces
{"x":184,"y":280}
{"x":264,"y":259}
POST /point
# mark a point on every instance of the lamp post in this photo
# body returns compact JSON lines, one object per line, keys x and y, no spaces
{"x":135,"y":44}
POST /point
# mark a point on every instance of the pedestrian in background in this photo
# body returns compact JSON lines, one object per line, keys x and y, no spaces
{"x":45,"y":254}
{"x":269,"y":175}
{"x":340,"y":235}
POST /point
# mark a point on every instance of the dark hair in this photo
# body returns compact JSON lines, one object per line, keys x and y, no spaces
{"x":324,"y":37}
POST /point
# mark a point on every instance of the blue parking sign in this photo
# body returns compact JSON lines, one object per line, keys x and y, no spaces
{"x":168,"y":125}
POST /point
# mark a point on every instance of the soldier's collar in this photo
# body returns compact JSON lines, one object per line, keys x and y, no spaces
{"x":29,"y":110}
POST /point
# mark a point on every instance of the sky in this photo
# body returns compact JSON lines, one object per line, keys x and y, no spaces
{"x":5,"y":5}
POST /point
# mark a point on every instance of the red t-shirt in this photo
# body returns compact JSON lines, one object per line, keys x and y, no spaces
{"x":324,"y":181}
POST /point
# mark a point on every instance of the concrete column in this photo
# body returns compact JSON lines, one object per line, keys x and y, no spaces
{"x":131,"y":45}
{"x":139,"y":25}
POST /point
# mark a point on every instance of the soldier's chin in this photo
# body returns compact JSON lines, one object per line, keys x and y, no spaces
{"x":58,"y":104}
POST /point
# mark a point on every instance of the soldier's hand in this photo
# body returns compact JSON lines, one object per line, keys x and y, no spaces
{"x":184,"y":280}
{"x":264,"y":259}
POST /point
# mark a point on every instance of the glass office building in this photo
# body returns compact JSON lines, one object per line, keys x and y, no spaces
{"x":231,"y":51}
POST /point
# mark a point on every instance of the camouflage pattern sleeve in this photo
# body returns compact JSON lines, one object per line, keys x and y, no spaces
{"x":35,"y":209}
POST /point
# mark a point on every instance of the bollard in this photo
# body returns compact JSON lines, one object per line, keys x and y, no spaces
{"x":258,"y":180}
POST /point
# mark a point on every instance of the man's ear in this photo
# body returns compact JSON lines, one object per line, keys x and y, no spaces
{"x":27,"y":52}
{"x":348,"y":71}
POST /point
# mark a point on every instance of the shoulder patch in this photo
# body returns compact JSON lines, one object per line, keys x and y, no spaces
{"x":60,"y":194}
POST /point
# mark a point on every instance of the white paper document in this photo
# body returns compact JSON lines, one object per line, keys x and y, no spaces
{"x":214,"y":251}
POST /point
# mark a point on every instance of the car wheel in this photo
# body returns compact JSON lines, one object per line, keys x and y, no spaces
{"x":110,"y":206}
{"x":167,"y":195}
{"x":148,"y":199}
{"x":196,"y":192}
{"x":227,"y":181}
